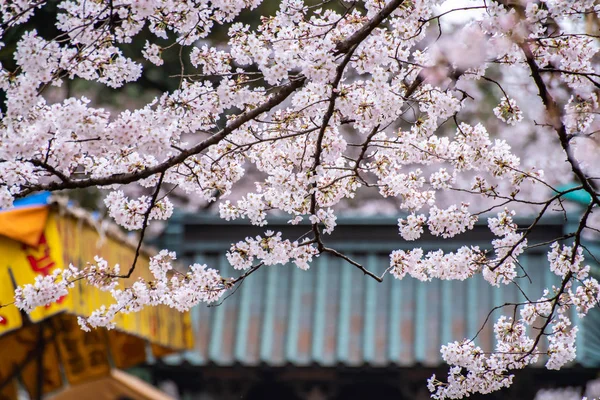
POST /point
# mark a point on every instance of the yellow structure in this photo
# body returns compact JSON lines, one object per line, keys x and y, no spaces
{"x":116,"y":385}
{"x":35,"y":241}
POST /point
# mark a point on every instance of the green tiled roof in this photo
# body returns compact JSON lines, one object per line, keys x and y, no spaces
{"x":333,"y":315}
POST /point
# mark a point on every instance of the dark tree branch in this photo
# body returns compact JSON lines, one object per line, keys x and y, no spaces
{"x":554,"y":115}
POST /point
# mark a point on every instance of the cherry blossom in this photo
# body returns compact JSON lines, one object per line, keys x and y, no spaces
{"x":508,"y":111}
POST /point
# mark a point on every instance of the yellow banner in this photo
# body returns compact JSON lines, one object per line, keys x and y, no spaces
{"x":69,"y":240}
{"x":127,"y":350}
{"x":84,"y":355}
{"x":24,"y":225}
{"x":21,"y":350}
{"x":9,"y":392}
{"x":66,"y":239}
{"x":26,"y":262}
{"x":187,"y":341}
{"x":161,"y":351}
{"x":10,"y":317}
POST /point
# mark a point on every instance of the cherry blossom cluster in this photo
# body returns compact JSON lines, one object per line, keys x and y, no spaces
{"x":168,"y":287}
{"x":459,"y":265}
{"x":503,"y":224}
{"x":131,"y":214}
{"x":472,"y":369}
{"x":502,"y":268}
{"x":411,"y":228}
{"x":271,"y":250}
{"x":451,"y":222}
{"x":45,"y":290}
{"x":563,"y":261}
{"x":518,"y":343}
{"x":475,"y":371}
{"x":508,"y":111}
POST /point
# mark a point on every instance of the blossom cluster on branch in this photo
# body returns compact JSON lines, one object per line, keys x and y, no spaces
{"x":325,"y":103}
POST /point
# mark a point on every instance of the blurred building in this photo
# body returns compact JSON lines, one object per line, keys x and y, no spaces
{"x":333,"y":333}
